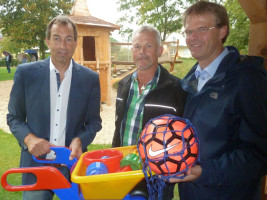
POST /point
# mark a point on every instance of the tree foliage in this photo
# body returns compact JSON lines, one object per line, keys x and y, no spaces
{"x":164,"y":15}
{"x":239,"y":26}
{"x":8,"y":45}
{"x":25,"y":21}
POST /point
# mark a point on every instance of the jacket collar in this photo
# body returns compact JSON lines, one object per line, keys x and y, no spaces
{"x":189,"y":81}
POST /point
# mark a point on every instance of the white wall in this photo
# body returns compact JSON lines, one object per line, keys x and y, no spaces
{"x":183,"y":51}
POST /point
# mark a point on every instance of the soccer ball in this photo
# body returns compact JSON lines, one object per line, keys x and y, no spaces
{"x":169,"y":145}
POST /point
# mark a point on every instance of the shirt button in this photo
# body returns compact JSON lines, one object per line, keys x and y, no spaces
{"x":56,"y":124}
{"x":55,"y":139}
{"x":57,"y":109}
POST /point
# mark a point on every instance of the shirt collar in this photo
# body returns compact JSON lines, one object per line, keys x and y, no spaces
{"x":52,"y":67}
{"x":212,"y":67}
{"x":154,"y":80}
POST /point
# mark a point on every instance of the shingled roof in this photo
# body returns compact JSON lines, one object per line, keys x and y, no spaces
{"x":80,"y":15}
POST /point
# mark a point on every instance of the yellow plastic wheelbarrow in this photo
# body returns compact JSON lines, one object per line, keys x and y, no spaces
{"x":106,"y":186}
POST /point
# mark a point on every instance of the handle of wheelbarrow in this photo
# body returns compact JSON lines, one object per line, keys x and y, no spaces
{"x":62,"y":157}
{"x":46,"y":177}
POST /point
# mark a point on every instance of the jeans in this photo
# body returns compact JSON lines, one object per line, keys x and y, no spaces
{"x":168,"y":191}
{"x":38,"y":194}
{"x":8,"y":67}
{"x":141,"y":189}
{"x":45,"y":194}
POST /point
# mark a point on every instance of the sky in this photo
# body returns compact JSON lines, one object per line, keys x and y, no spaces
{"x":104,"y":9}
{"x":107,"y":10}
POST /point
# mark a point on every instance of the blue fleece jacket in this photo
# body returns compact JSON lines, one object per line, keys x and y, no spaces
{"x":230,"y":117}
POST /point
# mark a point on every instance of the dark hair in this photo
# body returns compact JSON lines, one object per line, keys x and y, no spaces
{"x":204,"y":7}
{"x":62,"y":20}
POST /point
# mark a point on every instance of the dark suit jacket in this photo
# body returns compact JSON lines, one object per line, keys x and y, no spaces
{"x":29,"y":107}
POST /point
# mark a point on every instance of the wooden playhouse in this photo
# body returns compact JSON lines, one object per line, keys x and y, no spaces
{"x":93,"y":49}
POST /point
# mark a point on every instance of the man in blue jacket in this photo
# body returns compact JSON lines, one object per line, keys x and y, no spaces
{"x":54,"y":102}
{"x":227,"y":104}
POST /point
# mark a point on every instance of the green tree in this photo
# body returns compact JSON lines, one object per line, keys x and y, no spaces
{"x":114,"y":48}
{"x":8,"y":45}
{"x":239,"y":26}
{"x":25,"y":21}
{"x":164,"y":15}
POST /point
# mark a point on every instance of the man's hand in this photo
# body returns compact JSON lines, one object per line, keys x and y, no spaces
{"x":192,"y":174}
{"x":37,"y":146}
{"x":76,"y":148}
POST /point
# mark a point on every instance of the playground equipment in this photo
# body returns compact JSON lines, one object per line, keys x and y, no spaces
{"x":107,"y":186}
{"x":115,"y":185}
{"x":93,"y":46}
{"x":48,"y":178}
{"x":167,"y":59}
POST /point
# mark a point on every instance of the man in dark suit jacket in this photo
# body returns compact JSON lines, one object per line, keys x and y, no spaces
{"x":54,"y":102}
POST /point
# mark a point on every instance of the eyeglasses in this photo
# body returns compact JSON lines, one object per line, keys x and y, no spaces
{"x":198,"y":31}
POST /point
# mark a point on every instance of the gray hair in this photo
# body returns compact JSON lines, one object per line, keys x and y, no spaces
{"x":149,"y":29}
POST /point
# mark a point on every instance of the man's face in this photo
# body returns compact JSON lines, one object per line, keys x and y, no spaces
{"x":61,"y":44}
{"x":146,"y":50}
{"x":204,"y":46}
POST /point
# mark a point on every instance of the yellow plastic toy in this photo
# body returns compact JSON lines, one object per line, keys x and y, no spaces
{"x":106,"y":186}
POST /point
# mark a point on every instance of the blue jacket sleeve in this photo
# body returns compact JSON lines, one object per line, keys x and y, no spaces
{"x":16,"y":118}
{"x":93,"y":120}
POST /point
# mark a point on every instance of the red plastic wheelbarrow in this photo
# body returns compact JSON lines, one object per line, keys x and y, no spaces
{"x":48,"y":178}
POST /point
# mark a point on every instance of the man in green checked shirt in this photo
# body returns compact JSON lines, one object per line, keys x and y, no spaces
{"x":148,"y":92}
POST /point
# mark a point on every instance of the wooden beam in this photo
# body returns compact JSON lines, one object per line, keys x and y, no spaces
{"x":121,"y":43}
{"x":256,"y":10}
{"x":116,"y":62}
{"x":129,"y":43}
{"x":258,"y":40}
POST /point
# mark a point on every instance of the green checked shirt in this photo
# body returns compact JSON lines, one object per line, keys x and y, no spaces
{"x":131,"y":125}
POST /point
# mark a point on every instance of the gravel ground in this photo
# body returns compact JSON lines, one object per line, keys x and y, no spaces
{"x":107,"y":114}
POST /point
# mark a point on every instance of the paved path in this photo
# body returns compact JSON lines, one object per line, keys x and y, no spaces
{"x":107,"y":114}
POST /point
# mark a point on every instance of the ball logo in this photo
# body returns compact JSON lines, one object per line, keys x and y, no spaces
{"x":158,"y":152}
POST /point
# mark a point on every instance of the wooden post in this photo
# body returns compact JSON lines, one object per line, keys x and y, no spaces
{"x":258,"y":40}
{"x":256,"y":11}
{"x":175,"y":56}
{"x":114,"y":65}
